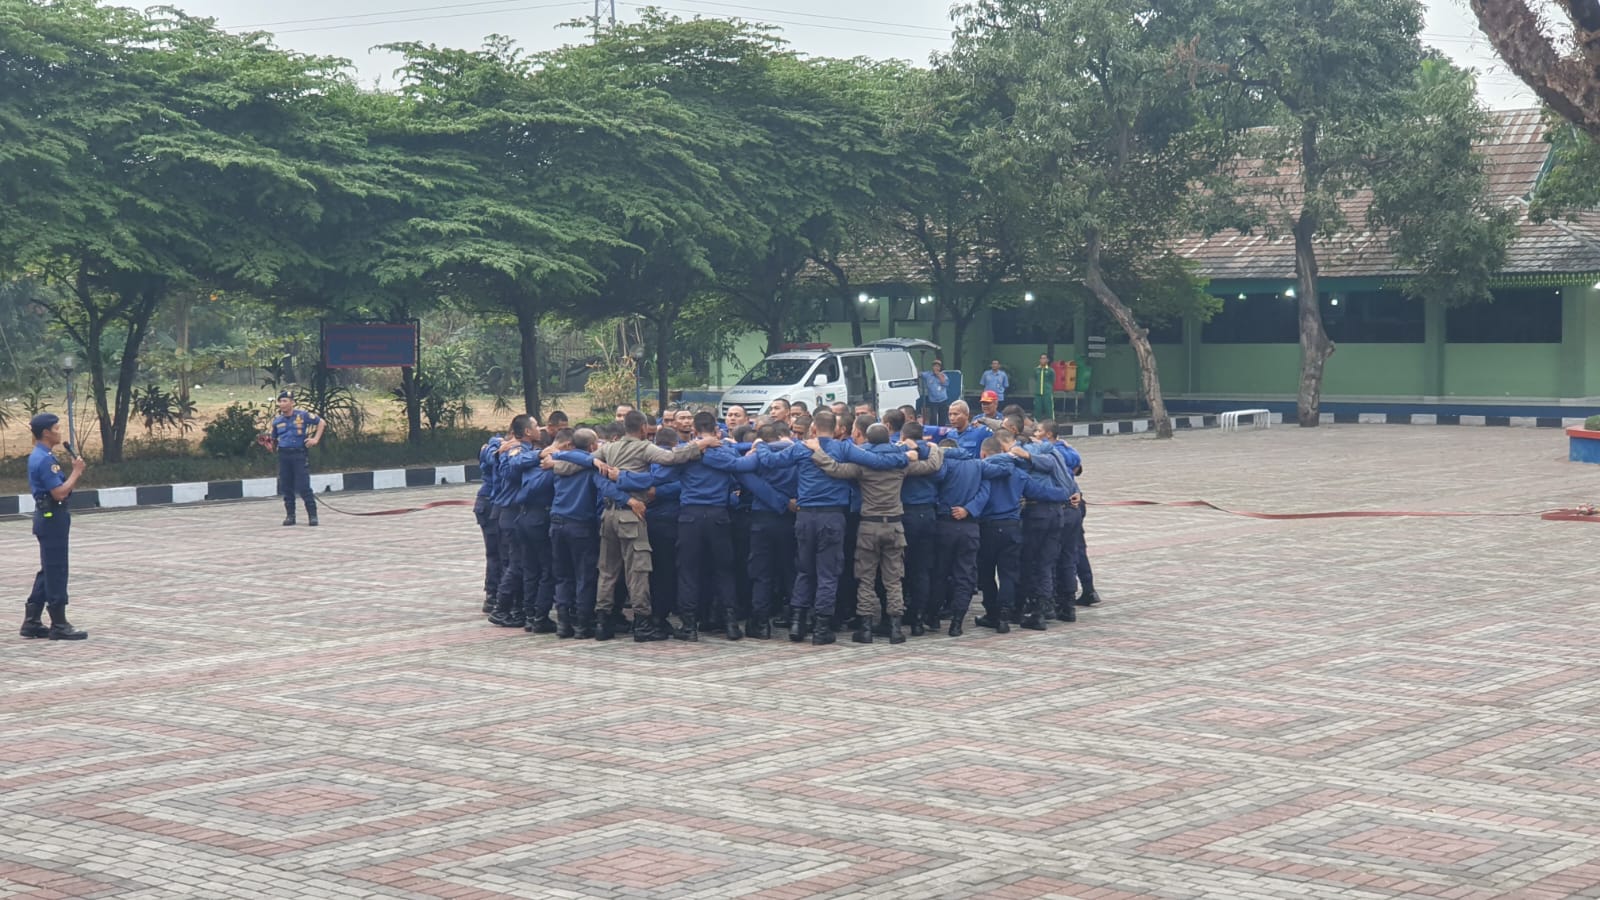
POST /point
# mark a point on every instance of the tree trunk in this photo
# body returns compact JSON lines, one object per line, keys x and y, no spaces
{"x":528,"y":329}
{"x":1315,"y":348}
{"x":933,"y":329}
{"x":114,"y":433}
{"x":663,"y":359}
{"x":409,"y":386}
{"x":775,"y":325}
{"x":959,"y":325}
{"x":1567,"y":82}
{"x":1138,"y":336}
{"x":184,"y":363}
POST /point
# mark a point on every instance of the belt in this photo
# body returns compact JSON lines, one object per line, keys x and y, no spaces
{"x":612,"y":504}
{"x":1046,"y":504}
{"x":998,"y":520}
{"x":946,"y":517}
{"x":561,"y":520}
{"x":881,"y":520}
{"x":771,"y":514}
{"x":825,"y":509}
{"x":919,"y":507}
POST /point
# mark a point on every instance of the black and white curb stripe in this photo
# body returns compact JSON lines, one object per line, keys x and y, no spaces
{"x":248,"y":488}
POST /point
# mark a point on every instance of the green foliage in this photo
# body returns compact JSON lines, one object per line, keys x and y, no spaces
{"x":33,"y":399}
{"x":161,"y":409}
{"x":609,"y":385}
{"x":232,"y":433}
{"x":329,"y":398}
{"x":1592,"y":423}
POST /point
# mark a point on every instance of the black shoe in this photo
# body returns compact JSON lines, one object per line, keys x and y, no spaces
{"x":32,"y":627}
{"x":541,"y":625}
{"x":896,"y":636}
{"x":863,"y":633}
{"x":61,"y":629}
{"x":312,"y":520}
{"x":1015,"y":616}
{"x":488,"y":604}
{"x":510,"y":619}
{"x":1067,"y":612}
{"x":288,"y":520}
{"x":586,"y":626}
{"x":731,"y":629}
{"x":758,"y":628}
{"x":604,"y":631}
{"x":917,"y":628}
{"x":1089,"y":598}
{"x":822,"y":634}
{"x":933,"y":621}
{"x":564,"y":627}
{"x":797,"y":626}
{"x":690,"y":631}
{"x":1002,"y":625}
{"x":987,"y":621}
{"x":647,"y":631}
{"x":881,"y":628}
{"x":955,"y":628}
{"x":1033,"y":623}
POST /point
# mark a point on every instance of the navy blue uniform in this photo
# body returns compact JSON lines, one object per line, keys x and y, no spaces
{"x":1074,"y":567}
{"x":771,"y":559}
{"x":575,"y":536}
{"x":955,"y":579}
{"x":294,"y":473}
{"x":661,"y":524}
{"x":52,"y":522}
{"x":488,"y":523}
{"x":1044,"y":519}
{"x":918,"y":496}
{"x":819,"y":526}
{"x":1000,"y":536}
{"x":705,"y":550}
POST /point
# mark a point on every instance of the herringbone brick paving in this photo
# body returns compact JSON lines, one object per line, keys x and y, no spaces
{"x":1328,"y":708}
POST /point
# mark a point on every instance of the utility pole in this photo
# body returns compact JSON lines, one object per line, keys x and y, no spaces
{"x":611,"y":21}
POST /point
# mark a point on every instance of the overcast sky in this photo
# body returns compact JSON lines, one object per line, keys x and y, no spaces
{"x":905,"y":29}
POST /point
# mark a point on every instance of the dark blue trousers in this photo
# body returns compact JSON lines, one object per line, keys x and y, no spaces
{"x":819,"y":558}
{"x":50,"y":584}
{"x":771,"y":561}
{"x":538,"y":587}
{"x":955,"y":567}
{"x":509,"y":593}
{"x":663,"y":530}
{"x":1073,"y":568}
{"x":294,"y":477}
{"x":999,"y":558}
{"x":1041,"y":553}
{"x":921,"y":538}
{"x":705,"y":560}
{"x":489,"y":526}
{"x":575,"y":546}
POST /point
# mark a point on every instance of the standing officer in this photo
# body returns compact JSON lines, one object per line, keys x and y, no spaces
{"x":488,"y":521}
{"x":963,"y":499}
{"x":771,"y":560}
{"x":818,"y":532}
{"x":705,"y":549}
{"x":880,"y":537}
{"x":918,"y":496}
{"x":995,"y":381}
{"x":660,"y":488}
{"x":935,"y":393}
{"x":52,"y":521}
{"x":517,"y":444}
{"x":1044,"y":389}
{"x":289,"y":437}
{"x":1000,"y":536}
{"x":575,"y":535}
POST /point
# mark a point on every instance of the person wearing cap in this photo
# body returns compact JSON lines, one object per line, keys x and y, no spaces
{"x":52,"y":522}
{"x":288,"y":430}
{"x":935,"y":393}
{"x":996,"y":380}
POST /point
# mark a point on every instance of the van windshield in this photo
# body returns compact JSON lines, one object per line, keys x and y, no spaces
{"x":773,"y":372}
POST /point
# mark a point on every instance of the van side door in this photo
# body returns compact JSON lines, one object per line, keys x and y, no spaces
{"x":897,"y":383}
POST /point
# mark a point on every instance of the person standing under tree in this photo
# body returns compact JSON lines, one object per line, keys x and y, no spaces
{"x":52,"y":522}
{"x":289,"y":438}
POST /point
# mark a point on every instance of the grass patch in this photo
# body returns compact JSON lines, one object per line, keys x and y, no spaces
{"x":171,"y":461}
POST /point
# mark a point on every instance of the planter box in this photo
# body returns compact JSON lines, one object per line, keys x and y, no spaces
{"x":1583,"y":445}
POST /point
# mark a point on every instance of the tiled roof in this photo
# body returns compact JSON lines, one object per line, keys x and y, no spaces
{"x":1516,"y":151}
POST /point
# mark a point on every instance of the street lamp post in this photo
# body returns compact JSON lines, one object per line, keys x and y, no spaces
{"x":638,"y":364}
{"x":68,"y":364}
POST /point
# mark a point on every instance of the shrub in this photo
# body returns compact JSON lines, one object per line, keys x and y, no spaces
{"x":162,"y":409}
{"x":232,"y":433}
{"x":610,"y":385}
{"x":1592,"y":423}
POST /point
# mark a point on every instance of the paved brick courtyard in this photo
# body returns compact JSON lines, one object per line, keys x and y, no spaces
{"x":1329,"y":708}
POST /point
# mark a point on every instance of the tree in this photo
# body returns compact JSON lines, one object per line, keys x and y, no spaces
{"x":1341,"y":79}
{"x":1102,"y":127}
{"x":1561,"y":64}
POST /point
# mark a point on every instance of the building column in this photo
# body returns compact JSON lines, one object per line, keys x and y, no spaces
{"x":1191,"y":350}
{"x":1580,"y":330}
{"x":1433,"y":350}
{"x":886,"y":317}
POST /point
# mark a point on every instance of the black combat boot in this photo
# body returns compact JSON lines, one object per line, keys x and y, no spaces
{"x":311,"y":519}
{"x":896,"y":636}
{"x":880,"y":626}
{"x":586,"y":626}
{"x":1067,"y":612}
{"x":488,"y":603}
{"x":31,"y":626}
{"x":917,"y":628}
{"x":797,"y":625}
{"x":507,"y":615}
{"x":863,"y":632}
{"x":759,"y":628}
{"x":564,"y":627}
{"x":645,"y":630}
{"x":1088,"y":598}
{"x":288,"y":520}
{"x":689,"y":630}
{"x":540,"y":625}
{"x":933,"y":620}
{"x":986,"y":621}
{"x":288,"y":508}
{"x":604,"y":630}
{"x":731,"y":628}
{"x":955,"y":627}
{"x":823,"y":632}
{"x":1034,"y":621}
{"x":60,"y":628}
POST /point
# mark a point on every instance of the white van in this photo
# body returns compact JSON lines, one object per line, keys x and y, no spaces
{"x":881,"y":373}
